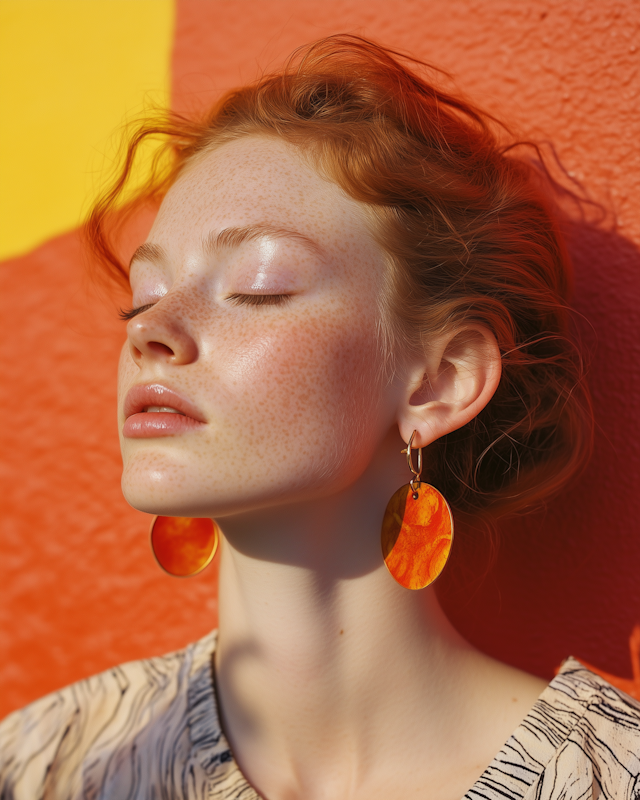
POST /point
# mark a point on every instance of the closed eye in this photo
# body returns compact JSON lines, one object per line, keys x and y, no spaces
{"x":258,"y":299}
{"x":237,"y":299}
{"x":127,"y":314}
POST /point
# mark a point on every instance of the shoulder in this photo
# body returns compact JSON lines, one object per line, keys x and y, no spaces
{"x":129,"y":719}
{"x":606,"y":710}
{"x":591,"y":733}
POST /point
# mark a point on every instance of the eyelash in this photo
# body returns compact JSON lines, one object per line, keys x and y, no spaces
{"x":129,"y":313}
{"x":126,"y":314}
{"x":258,"y":299}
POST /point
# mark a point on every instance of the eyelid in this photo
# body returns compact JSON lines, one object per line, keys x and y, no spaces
{"x":129,"y":313}
{"x":126,"y":314}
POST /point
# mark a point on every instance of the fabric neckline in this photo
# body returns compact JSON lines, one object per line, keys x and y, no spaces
{"x":511,"y":774}
{"x":547,"y":725}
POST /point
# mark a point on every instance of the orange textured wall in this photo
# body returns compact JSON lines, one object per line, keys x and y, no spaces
{"x":79,"y":588}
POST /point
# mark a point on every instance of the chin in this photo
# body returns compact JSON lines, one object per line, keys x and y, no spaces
{"x":158,"y":488}
{"x":151,"y":503}
{"x":153,"y":491}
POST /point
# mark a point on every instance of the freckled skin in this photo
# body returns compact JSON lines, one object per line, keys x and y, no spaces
{"x":291,"y":393}
{"x":333,"y":680}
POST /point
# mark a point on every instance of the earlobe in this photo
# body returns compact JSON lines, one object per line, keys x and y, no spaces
{"x":451,"y":385}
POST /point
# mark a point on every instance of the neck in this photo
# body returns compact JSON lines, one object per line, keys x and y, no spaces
{"x":328,"y":644}
{"x":319,"y":650}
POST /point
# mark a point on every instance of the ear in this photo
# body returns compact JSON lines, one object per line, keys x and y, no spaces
{"x":450,"y":385}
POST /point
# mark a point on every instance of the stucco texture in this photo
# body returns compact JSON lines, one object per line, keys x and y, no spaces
{"x":80,"y":590}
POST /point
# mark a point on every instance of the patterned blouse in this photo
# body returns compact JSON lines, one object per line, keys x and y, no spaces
{"x":149,"y":730}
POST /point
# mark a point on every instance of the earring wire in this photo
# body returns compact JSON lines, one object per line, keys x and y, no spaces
{"x":415,"y":481}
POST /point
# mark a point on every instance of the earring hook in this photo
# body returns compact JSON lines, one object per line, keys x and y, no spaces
{"x":416,"y":472}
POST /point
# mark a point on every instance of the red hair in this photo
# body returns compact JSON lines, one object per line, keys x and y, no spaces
{"x":471,"y":231}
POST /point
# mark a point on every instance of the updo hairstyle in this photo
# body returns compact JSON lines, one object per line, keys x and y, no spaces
{"x":468,"y":220}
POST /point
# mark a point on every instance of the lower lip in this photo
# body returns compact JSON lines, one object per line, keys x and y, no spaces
{"x":151,"y":424}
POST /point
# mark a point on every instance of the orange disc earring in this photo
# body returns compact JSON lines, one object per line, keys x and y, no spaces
{"x":183,"y":546}
{"x":417,"y":530}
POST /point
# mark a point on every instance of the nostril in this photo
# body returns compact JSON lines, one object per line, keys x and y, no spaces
{"x":160,"y":349}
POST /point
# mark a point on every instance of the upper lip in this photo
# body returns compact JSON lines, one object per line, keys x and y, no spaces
{"x":155,"y":394}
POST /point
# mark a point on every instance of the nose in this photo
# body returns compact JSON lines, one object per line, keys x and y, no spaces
{"x":157,"y":335}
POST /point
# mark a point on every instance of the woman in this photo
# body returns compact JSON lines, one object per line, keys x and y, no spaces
{"x":347,"y":263}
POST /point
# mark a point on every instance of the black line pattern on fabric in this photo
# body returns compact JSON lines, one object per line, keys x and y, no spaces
{"x":150,"y":730}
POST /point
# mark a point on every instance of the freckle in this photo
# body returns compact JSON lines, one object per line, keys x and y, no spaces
{"x":514,"y":699}
{"x":341,"y":632}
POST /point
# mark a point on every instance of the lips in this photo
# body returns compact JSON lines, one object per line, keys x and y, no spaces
{"x":155,"y":410}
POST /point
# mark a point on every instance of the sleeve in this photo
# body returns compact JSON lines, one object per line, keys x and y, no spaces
{"x":109,"y":736}
{"x":34,"y":742}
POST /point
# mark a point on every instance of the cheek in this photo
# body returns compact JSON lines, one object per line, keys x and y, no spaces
{"x":306,"y":383}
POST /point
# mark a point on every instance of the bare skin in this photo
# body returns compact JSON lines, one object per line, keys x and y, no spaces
{"x":334,"y":682}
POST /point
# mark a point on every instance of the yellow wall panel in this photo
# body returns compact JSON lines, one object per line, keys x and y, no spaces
{"x":71,"y":71}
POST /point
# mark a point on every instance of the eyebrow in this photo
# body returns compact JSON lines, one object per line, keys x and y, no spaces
{"x":230,"y":238}
{"x":234,"y":237}
{"x":148,"y":252}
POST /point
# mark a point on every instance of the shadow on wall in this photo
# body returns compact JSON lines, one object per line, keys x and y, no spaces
{"x":564,"y":581}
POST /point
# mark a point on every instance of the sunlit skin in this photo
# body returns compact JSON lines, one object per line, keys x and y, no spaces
{"x":334,"y":682}
{"x":283,"y":387}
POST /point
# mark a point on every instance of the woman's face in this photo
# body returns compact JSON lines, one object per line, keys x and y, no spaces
{"x":261,"y":284}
